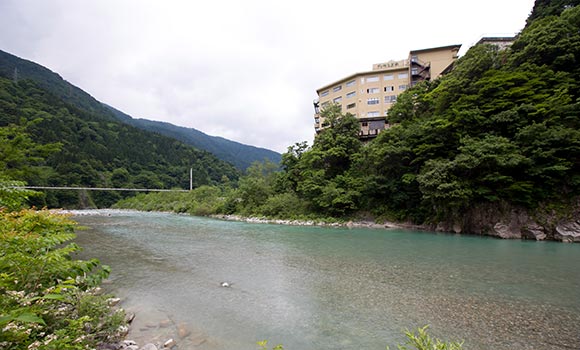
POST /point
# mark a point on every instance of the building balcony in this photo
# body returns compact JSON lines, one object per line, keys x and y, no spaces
{"x":369,"y":134}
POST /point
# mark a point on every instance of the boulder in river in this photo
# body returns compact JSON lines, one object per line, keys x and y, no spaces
{"x":568,"y":231}
{"x":183,"y":330}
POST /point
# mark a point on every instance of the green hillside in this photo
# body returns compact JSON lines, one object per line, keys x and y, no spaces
{"x":15,"y":68}
{"x":240,"y":155}
{"x":94,"y":149}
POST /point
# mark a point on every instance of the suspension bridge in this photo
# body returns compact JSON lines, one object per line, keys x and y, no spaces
{"x":100,"y":189}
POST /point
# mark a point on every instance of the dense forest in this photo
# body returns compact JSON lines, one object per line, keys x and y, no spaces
{"x":46,"y":141}
{"x":240,"y":155}
{"x":500,"y":132}
{"x":237,"y":154}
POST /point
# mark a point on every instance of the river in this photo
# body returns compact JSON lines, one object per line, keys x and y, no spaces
{"x":332,"y":288}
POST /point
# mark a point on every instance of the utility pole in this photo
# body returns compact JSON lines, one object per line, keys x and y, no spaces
{"x":190,"y":179}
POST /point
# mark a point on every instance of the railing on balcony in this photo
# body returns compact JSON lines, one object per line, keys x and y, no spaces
{"x":368,"y":134}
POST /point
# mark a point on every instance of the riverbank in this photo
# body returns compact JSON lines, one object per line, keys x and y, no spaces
{"x":349,"y":224}
{"x":516,"y":225}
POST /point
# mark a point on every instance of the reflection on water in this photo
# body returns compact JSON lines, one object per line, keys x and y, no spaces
{"x":328,"y":288}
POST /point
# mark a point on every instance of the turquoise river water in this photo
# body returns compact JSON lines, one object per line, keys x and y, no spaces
{"x":332,"y":288}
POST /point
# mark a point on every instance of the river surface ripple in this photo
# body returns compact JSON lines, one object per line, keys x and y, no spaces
{"x":332,"y":288}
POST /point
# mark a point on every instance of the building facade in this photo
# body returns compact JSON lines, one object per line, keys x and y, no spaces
{"x":369,"y":95}
{"x":502,"y":42}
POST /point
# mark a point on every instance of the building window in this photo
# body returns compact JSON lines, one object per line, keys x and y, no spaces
{"x":403,"y":75}
{"x":350,"y":106}
{"x":317,"y":120}
{"x":391,"y":99}
{"x":351,"y":83}
{"x":337,"y":100}
{"x":373,"y":101}
{"x":324,"y":104}
{"x":337,"y":88}
{"x":403,"y":87}
{"x":373,"y":91}
{"x":389,"y":77}
{"x":362,"y":80}
{"x":351,"y":94}
{"x":414,"y":58}
{"x":364,"y":124}
{"x":373,"y":114}
{"x":389,"y":88}
{"x":414,"y":71}
{"x":324,"y":93}
{"x":372,"y":79}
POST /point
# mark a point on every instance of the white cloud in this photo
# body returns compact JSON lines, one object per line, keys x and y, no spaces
{"x":244,"y":70}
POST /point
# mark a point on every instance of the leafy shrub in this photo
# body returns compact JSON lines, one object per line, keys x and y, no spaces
{"x":46,"y":298}
{"x":423,"y":341}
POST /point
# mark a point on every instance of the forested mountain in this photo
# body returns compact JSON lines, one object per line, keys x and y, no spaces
{"x":493,"y":147}
{"x":240,"y":155}
{"x":17,"y":69}
{"x":84,"y":147}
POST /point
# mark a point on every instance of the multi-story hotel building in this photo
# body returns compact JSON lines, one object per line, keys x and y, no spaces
{"x":369,"y":95}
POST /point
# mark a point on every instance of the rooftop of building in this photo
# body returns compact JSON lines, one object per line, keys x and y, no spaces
{"x":492,"y":39}
{"x":356,"y":75}
{"x":448,"y":47}
{"x":392,"y":65}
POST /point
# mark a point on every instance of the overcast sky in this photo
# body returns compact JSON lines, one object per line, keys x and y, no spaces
{"x":245,"y":70}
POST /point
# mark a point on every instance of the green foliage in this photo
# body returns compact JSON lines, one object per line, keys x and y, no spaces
{"x":264,"y":346}
{"x":545,"y":8}
{"x":77,"y":146}
{"x":421,"y":340}
{"x":12,"y":195}
{"x":21,"y":157}
{"x":240,"y":155}
{"x":45,"y":295}
{"x":204,"y":200}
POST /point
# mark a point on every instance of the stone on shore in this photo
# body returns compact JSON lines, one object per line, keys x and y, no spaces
{"x":169,"y":344}
{"x":113,"y":301}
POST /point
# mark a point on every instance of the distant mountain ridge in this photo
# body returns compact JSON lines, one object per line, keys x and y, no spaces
{"x":238,"y":154}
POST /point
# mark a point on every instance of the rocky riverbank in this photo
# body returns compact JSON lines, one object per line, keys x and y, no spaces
{"x":508,"y":222}
{"x":158,"y":334}
{"x":495,"y":221}
{"x":350,"y":224}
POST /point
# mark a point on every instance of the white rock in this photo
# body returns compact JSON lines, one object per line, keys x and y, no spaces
{"x":169,"y":343}
{"x":113,"y":301}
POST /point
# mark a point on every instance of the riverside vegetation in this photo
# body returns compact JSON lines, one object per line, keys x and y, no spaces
{"x":497,"y":138}
{"x":48,"y":299}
